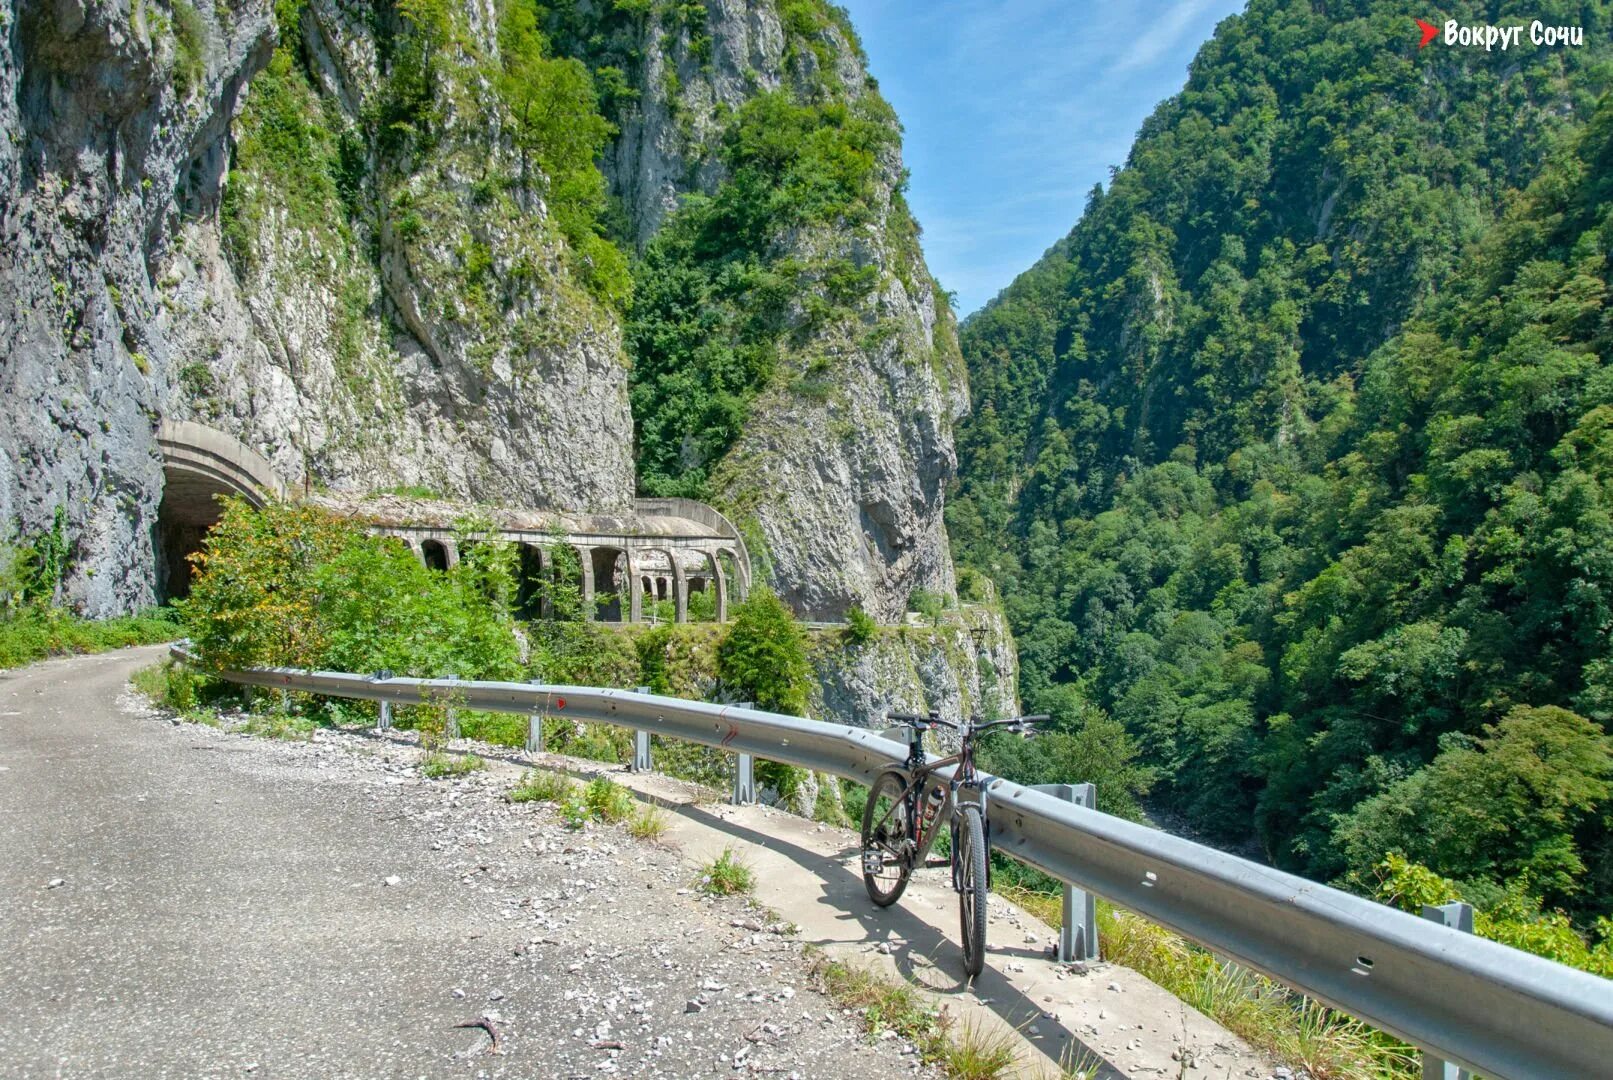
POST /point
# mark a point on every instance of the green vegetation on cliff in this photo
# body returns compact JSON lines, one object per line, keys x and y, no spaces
{"x":1293,"y":457}
{"x":717,"y":294}
{"x":728,"y":297}
{"x":33,"y":624}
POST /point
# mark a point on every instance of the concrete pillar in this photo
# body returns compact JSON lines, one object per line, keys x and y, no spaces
{"x":680,"y":589}
{"x":545,"y":583}
{"x":635,"y":589}
{"x":450,"y":550}
{"x":419,"y":552}
{"x":585,"y":555}
{"x":720,"y":584}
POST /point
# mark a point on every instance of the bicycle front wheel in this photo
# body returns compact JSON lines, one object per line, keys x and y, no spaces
{"x":971,"y":854}
{"x":887,"y":839}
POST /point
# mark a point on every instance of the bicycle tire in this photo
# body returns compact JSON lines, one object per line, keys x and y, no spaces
{"x":972,"y":891}
{"x":881,"y":890}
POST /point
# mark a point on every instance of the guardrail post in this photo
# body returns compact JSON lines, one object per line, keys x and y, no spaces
{"x":383,"y":719}
{"x":744,"y":781}
{"x":1458,"y":916}
{"x":744,"y":770}
{"x":641,"y":745}
{"x":451,"y":724}
{"x":534,"y":730}
{"x":1078,"y":936}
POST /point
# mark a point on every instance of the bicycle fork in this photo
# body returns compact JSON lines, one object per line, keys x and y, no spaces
{"x":968,"y":794}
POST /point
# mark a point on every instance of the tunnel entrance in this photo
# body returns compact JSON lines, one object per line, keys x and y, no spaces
{"x":200,"y":464}
{"x":188,"y":509}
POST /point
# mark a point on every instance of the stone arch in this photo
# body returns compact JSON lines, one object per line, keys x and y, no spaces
{"x":434,"y":553}
{"x":671,"y":584}
{"x":200,"y":464}
{"x":611,"y":577}
{"x":719,"y":583}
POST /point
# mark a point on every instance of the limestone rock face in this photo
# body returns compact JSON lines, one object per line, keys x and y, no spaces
{"x":962,"y":668}
{"x":415,"y":327}
{"x":111,"y":123}
{"x":842,"y":488}
{"x":162,"y":256}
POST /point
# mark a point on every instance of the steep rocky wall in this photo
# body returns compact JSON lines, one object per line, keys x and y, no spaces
{"x":399,"y":313}
{"x":367,"y":313}
{"x":840,"y":473}
{"x":108,"y":114}
{"x":964,"y":667}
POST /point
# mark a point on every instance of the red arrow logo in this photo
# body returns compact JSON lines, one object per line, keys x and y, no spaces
{"x":1429,"y":34}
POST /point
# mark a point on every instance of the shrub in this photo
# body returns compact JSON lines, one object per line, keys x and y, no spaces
{"x":295,"y":586}
{"x":764,"y":657}
{"x":607,"y":800}
{"x":928,"y":604}
{"x":36,"y":631}
{"x":860,"y":627}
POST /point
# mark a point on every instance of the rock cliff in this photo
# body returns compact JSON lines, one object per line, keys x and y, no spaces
{"x":115,"y":119}
{"x":840,"y":468}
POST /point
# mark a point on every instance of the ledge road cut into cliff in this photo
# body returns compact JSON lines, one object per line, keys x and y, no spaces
{"x":179,"y":900}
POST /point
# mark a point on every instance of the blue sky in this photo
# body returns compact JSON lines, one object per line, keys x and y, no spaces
{"x":1013,"y":109}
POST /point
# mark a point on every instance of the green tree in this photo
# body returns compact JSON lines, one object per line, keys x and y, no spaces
{"x":1506,"y":807}
{"x":763,"y":657}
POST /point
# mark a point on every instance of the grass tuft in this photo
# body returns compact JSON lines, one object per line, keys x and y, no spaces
{"x":649,"y":823}
{"x":437,"y":765}
{"x":974,"y":1053}
{"x":277,"y":724}
{"x":536,"y":785}
{"x":969,"y":1052}
{"x":727,"y":875}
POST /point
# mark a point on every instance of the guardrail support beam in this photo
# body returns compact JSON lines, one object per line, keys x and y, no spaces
{"x":534,"y":730}
{"x":744,"y":781}
{"x":383,"y":715}
{"x":641,"y":744}
{"x":1078,"y":936}
{"x":1457,"y":916}
{"x":450,"y":728}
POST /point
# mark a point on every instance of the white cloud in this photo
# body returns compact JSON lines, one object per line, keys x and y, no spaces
{"x":1154,"y":40}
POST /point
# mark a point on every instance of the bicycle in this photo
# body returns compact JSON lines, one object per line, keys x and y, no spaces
{"x":905,"y":804}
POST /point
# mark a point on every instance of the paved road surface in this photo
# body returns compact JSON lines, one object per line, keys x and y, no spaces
{"x":223,"y":911}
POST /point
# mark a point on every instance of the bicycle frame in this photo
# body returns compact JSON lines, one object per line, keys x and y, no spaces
{"x":964,"y":787}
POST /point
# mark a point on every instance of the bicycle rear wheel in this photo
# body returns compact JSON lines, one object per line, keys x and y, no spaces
{"x":887,"y":839}
{"x":971,"y":854}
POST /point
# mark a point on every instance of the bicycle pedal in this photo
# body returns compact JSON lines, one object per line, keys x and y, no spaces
{"x":873,"y":862}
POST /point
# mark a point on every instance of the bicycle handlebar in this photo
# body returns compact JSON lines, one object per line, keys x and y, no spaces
{"x":922,"y":722}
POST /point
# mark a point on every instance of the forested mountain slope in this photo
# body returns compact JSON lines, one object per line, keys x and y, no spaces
{"x":1295,"y":458}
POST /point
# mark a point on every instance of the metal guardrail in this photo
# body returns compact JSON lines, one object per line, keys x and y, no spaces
{"x":1473,"y":1002}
